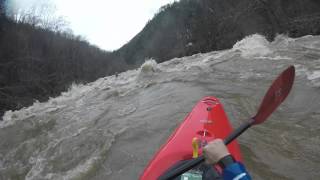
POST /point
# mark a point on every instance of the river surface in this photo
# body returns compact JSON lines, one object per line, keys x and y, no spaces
{"x":110,"y":128}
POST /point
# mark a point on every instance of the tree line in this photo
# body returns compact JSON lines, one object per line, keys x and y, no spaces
{"x":196,"y":26}
{"x":39,"y":58}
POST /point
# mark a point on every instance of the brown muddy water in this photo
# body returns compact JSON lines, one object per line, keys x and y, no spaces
{"x":110,"y":128}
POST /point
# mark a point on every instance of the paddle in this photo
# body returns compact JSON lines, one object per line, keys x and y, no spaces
{"x":276,"y":94}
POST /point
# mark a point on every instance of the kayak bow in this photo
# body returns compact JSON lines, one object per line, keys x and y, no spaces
{"x":205,"y":122}
{"x":275,"y":95}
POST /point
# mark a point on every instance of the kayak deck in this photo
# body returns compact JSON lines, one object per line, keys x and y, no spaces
{"x":206,"y":121}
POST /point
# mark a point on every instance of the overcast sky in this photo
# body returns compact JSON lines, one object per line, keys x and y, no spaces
{"x":108,"y":24}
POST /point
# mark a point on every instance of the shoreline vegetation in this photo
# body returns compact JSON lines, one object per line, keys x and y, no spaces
{"x":40,"y":57}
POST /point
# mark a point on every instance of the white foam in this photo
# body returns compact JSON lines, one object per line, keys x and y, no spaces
{"x":313,"y":75}
{"x":252,"y":46}
{"x":124,"y":82}
{"x":282,"y":41}
{"x":75,"y":91}
{"x":150,"y":66}
{"x":80,"y":96}
{"x":274,"y":58}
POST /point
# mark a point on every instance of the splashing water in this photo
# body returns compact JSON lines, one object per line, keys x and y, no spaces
{"x":253,"y":45}
{"x":110,"y":128}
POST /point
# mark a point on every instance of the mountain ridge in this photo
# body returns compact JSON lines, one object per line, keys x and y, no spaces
{"x":38,"y":64}
{"x":192,"y":26}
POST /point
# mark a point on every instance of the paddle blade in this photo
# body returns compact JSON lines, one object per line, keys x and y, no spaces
{"x":276,"y":94}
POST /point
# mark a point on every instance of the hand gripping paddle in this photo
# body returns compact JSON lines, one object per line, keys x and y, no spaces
{"x":276,"y":94}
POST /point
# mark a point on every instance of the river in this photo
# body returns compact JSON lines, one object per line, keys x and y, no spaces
{"x":110,"y":128}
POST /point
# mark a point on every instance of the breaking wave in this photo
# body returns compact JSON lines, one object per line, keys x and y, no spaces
{"x":81,"y":133}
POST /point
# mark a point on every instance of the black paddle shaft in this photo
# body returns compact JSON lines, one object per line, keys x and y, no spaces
{"x":275,"y":95}
{"x":238,"y":132}
{"x":189,"y":165}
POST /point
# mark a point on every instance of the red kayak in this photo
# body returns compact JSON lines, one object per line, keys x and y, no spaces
{"x":205,"y":122}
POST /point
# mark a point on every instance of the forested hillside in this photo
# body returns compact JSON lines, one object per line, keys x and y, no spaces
{"x":40,"y":58}
{"x":39,"y":62}
{"x":192,"y":26}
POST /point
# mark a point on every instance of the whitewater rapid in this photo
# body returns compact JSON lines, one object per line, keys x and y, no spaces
{"x":110,"y":128}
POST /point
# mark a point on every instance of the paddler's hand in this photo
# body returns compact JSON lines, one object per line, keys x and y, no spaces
{"x":215,"y":151}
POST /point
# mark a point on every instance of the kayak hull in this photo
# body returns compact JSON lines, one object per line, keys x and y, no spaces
{"x":207,"y":121}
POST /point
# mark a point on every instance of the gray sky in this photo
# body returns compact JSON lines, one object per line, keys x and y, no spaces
{"x":108,"y":24}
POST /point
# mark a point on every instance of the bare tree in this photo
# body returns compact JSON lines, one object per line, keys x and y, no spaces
{"x":2,"y":7}
{"x":41,"y":13}
{"x":13,"y":11}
